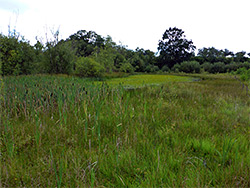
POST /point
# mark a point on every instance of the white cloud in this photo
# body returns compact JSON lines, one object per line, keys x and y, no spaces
{"x":140,"y":23}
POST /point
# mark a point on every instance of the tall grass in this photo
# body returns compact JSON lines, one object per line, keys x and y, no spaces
{"x":70,"y":132}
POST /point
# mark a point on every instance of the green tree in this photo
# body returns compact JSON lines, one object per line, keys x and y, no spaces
{"x":27,"y":55}
{"x":145,"y":60}
{"x":151,"y":68}
{"x":88,"y":67}
{"x":59,"y":56}
{"x":137,"y":62}
{"x":207,"y":67}
{"x":174,"y":47}
{"x":39,"y":62}
{"x":231,"y":67}
{"x":218,"y":67}
{"x":127,"y":68}
{"x":84,"y":42}
{"x":190,"y":67}
{"x":119,"y":60}
{"x":213,"y":55}
{"x":240,"y":57}
{"x":165,"y":68}
{"x":17,"y":55}
{"x":228,"y":53}
{"x":105,"y":56}
{"x":245,"y":64}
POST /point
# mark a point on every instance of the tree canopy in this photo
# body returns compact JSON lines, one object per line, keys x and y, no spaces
{"x":174,"y":47}
{"x":85,"y":50}
{"x":84,"y":42}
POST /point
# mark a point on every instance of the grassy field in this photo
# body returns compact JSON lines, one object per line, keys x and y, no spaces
{"x":137,"y":81}
{"x":59,"y":131}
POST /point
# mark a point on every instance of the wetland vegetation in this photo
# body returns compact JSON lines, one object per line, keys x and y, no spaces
{"x":64,"y":131}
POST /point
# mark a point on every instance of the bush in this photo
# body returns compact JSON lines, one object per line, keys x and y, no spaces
{"x":59,"y":58}
{"x":241,"y":70}
{"x":207,"y":67}
{"x":127,"y":68}
{"x":165,"y":68}
{"x":218,"y":67}
{"x":245,"y":76}
{"x":190,"y":67}
{"x":176,"y":68}
{"x":87,"y":67}
{"x":17,"y":56}
{"x":245,"y":65}
{"x":244,"y":73}
{"x":152,"y":68}
{"x":231,"y":67}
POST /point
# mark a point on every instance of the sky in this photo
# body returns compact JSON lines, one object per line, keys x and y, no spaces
{"x":223,"y":24}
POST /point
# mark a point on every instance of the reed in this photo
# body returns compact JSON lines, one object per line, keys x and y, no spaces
{"x":155,"y":132}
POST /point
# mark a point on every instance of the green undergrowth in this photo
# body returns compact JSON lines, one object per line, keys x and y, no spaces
{"x":59,"y":131}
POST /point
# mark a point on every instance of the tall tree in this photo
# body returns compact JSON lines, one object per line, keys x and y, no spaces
{"x":212,"y":54}
{"x":174,"y":47}
{"x":59,"y":56}
{"x":240,"y":57}
{"x":17,"y":55}
{"x":105,"y":56}
{"x":84,"y":42}
{"x":228,"y":53}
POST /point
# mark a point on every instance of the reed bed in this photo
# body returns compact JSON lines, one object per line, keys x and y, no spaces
{"x":59,"y":131}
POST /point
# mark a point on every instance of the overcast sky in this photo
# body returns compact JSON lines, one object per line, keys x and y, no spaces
{"x":136,"y":23}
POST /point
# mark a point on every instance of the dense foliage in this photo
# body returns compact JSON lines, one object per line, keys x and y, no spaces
{"x":17,"y":55}
{"x":174,"y":47}
{"x":87,"y":67}
{"x":176,"y":53}
{"x":244,"y":74}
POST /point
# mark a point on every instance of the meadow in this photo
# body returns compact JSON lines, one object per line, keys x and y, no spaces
{"x":138,"y":131}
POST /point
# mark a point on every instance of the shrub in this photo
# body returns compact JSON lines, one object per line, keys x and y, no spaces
{"x":245,"y":77}
{"x":152,"y":68}
{"x":244,"y":73}
{"x":231,"y":67}
{"x":176,"y":68}
{"x":245,"y":65}
{"x":207,"y":67}
{"x":165,"y":68}
{"x":87,"y":67}
{"x":127,"y":68}
{"x":190,"y":67}
{"x":17,"y":55}
{"x":59,"y":57}
{"x":218,"y":67}
{"x":241,"y":70}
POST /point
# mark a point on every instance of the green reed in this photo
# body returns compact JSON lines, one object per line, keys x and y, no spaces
{"x":65,"y":131}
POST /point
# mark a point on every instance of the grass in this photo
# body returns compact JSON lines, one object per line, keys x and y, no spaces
{"x":145,"y":80}
{"x":69,"y":132}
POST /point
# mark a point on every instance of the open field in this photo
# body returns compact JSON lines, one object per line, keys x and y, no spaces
{"x":70,"y":132}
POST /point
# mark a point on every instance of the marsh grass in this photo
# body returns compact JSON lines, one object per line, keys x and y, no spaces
{"x":69,"y":132}
{"x":143,"y":80}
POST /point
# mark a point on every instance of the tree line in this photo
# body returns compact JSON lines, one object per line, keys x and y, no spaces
{"x":88,"y":54}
